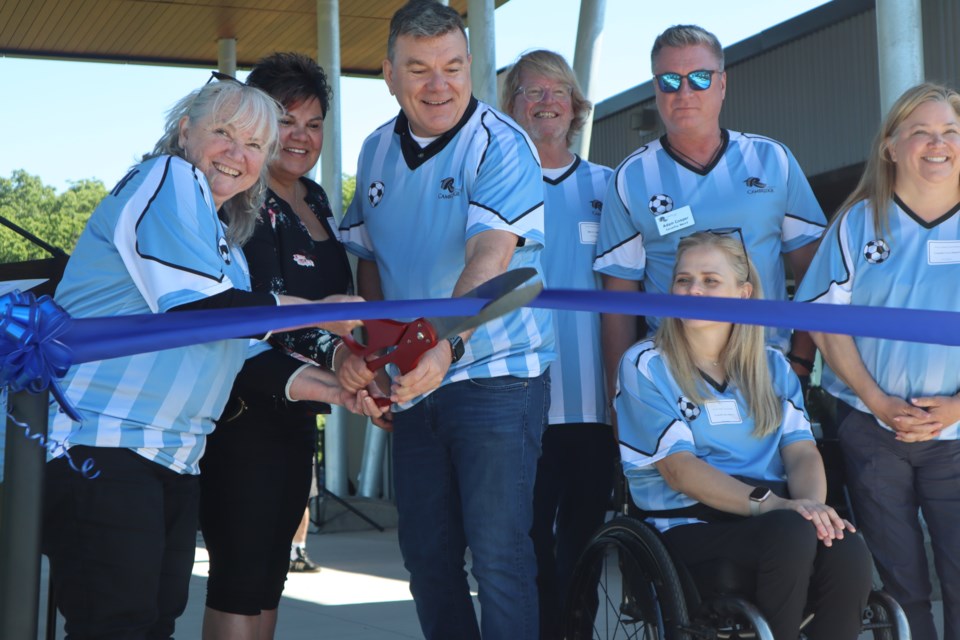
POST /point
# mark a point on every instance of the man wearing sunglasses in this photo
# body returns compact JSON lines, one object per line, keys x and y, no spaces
{"x":701,"y":177}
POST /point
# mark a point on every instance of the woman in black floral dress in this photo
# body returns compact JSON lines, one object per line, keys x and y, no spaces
{"x":255,"y":475}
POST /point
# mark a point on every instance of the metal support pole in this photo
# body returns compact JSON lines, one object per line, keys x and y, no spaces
{"x":586,"y":63}
{"x":20,"y":517}
{"x":483,"y":69}
{"x":371,"y":467}
{"x":328,"y":57}
{"x":899,"y":48}
{"x":335,"y":452}
{"x":227,"y":56}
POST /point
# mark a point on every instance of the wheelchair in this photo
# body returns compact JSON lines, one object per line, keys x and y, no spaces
{"x":626,"y":585}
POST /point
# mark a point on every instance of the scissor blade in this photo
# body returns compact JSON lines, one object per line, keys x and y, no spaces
{"x":505,"y":294}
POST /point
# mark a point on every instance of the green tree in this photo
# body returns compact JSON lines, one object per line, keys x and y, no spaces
{"x":55,"y":218}
{"x":349,"y":186}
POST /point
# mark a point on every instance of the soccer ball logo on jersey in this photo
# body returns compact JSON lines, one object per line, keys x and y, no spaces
{"x":448,"y":189}
{"x":375,"y":192}
{"x":224,"y":249}
{"x":596,"y":206}
{"x":660,"y":203}
{"x":688,"y":409}
{"x":876,"y":251}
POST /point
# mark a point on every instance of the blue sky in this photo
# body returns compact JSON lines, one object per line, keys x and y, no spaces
{"x":66,"y":121}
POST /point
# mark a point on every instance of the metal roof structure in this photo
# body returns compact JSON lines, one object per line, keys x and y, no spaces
{"x":186,"y":32}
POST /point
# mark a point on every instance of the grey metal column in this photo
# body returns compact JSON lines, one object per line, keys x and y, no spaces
{"x":328,"y":57}
{"x":20,"y":518}
{"x":227,"y":56}
{"x":483,"y":69}
{"x":586,"y":62}
{"x":899,"y":48}
{"x":371,"y":466}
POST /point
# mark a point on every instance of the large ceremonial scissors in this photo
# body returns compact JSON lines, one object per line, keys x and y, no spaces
{"x":406,"y":342}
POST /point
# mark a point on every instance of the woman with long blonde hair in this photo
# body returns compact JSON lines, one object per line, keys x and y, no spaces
{"x":718,"y":453}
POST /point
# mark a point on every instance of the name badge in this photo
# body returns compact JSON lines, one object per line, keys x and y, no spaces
{"x":723,"y":412}
{"x":589,"y":232}
{"x":674,"y":221}
{"x":943,"y":252}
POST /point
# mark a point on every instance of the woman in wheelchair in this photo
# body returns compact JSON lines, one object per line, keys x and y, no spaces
{"x":718,"y":453}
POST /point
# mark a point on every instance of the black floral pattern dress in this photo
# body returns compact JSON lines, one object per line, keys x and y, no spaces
{"x":255,"y":474}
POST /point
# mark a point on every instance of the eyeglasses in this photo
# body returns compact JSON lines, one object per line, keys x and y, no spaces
{"x":699,"y":80}
{"x":534,"y":94}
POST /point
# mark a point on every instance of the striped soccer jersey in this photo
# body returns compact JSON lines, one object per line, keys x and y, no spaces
{"x":656,"y":420}
{"x":572,"y":205}
{"x":416,"y":208}
{"x":914,"y":265}
{"x":152,"y":244}
{"x":656,"y":198}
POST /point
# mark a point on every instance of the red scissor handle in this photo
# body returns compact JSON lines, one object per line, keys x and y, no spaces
{"x":408,"y":340}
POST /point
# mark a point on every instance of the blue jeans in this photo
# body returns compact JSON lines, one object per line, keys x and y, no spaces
{"x":465,"y":461}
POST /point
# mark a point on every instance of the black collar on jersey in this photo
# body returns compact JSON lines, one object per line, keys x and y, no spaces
{"x":413,"y":153}
{"x":719,"y":386}
{"x":722,"y":149}
{"x":923,"y":223}
{"x":566,"y":174}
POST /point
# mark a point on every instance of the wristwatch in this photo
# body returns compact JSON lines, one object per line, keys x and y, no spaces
{"x":456,"y":348}
{"x":757,"y":496}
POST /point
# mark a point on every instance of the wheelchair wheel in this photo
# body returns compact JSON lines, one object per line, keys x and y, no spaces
{"x":625,"y":586}
{"x":884,"y":618}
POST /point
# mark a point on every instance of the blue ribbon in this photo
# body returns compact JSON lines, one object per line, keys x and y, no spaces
{"x":32,"y":356}
{"x":39,"y":341}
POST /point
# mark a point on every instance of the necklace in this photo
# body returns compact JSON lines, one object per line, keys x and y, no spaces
{"x":701,"y":165}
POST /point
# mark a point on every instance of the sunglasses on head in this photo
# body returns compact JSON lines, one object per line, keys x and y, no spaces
{"x":222,"y":77}
{"x":735,"y":232}
{"x":699,"y":80}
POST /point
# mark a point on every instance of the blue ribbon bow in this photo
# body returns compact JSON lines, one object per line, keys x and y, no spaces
{"x":31,"y":355}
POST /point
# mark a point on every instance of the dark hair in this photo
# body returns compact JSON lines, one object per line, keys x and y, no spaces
{"x":423,"y":19}
{"x":291,"y":78}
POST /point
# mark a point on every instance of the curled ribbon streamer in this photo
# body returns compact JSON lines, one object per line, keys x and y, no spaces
{"x":32,"y":356}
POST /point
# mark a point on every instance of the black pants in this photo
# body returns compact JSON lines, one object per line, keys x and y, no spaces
{"x":571,"y":495}
{"x":121,"y":546}
{"x":795,"y":572}
{"x":255,"y":480}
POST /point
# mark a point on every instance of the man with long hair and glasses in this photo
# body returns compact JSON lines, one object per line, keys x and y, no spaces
{"x":575,"y":472}
{"x":699,"y":176}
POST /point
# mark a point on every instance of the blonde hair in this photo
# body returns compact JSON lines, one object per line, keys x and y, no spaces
{"x":229,"y":102}
{"x":880,"y":175}
{"x":744,"y":356}
{"x":551,"y":65}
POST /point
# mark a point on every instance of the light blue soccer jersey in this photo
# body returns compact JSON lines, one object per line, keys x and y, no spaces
{"x":415,"y":208}
{"x":915,"y":265}
{"x":572,"y":208}
{"x":153,"y":243}
{"x":656,"y":420}
{"x":755,"y":185}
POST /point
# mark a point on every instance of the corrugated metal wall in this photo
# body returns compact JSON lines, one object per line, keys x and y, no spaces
{"x":818,"y":93}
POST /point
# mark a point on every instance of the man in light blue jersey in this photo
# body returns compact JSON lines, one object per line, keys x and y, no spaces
{"x":701,"y":177}
{"x":575,"y":472}
{"x":451,"y":195}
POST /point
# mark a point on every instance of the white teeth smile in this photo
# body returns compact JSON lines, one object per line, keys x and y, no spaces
{"x":936,"y":159}
{"x":291,"y":150}
{"x":545,"y":114}
{"x":436,"y":104}
{"x":226,"y":170}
